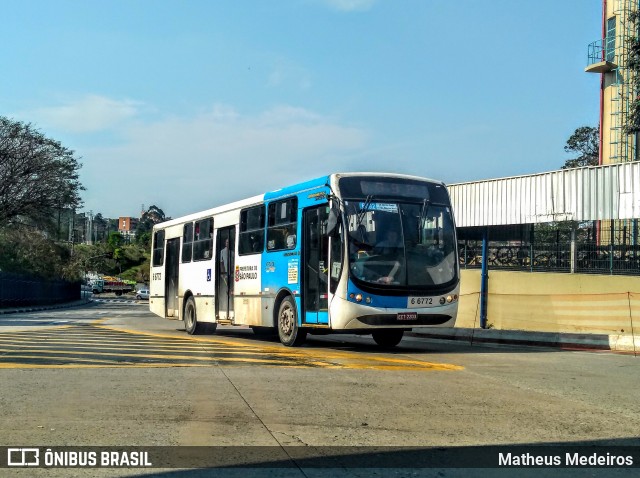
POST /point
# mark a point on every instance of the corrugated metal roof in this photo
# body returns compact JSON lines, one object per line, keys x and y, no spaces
{"x":581,"y":194}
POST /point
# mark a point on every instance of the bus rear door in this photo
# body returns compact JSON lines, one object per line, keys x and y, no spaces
{"x":172,"y":269}
{"x":225,"y":269}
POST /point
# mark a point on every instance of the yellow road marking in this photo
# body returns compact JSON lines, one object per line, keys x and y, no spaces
{"x":99,"y":341}
{"x":405,"y":364}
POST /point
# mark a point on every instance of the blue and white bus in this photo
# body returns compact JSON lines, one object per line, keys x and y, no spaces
{"x":363,"y":253}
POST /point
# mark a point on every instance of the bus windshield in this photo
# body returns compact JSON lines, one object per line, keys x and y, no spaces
{"x":402,"y":245}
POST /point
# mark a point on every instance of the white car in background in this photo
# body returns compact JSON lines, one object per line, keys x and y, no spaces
{"x":142,"y":294}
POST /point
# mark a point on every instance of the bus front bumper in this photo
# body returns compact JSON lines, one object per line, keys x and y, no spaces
{"x":349,"y":315}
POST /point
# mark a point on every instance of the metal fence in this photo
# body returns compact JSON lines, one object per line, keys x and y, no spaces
{"x":19,"y":291}
{"x":590,"y":258}
{"x":603,"y":251}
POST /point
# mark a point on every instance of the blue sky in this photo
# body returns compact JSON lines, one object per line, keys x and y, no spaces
{"x":191,"y":104}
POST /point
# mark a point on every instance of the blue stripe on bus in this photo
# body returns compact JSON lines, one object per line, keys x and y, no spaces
{"x":297,"y":188}
{"x":390,"y":302}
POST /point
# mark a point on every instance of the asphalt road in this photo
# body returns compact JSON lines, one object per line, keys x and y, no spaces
{"x":112,"y":374}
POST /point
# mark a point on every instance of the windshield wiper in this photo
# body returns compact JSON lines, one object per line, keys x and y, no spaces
{"x":426,"y":204}
{"x":364,"y":209}
{"x":361,"y":213}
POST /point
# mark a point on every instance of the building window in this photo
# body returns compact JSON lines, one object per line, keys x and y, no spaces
{"x":610,"y":40}
{"x":187,"y":242}
{"x":282,"y":225}
{"x":203,"y":240}
{"x":252,"y":230}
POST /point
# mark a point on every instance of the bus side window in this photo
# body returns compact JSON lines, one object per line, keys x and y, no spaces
{"x":158,"y":248}
{"x":282,"y":224}
{"x":251,"y":230}
{"x":187,"y":242}
{"x":203,"y":241}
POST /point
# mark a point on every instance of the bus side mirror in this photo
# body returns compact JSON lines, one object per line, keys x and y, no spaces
{"x":333,"y":221}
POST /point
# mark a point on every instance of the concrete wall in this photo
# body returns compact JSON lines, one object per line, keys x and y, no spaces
{"x":548,"y":302}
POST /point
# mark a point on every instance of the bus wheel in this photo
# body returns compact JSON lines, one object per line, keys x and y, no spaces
{"x":191,"y":324}
{"x":190,"y":320}
{"x":388,"y":338}
{"x":290,"y":334}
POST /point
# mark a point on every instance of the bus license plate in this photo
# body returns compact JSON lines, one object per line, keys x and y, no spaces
{"x":419,"y":302}
{"x":407,"y":316}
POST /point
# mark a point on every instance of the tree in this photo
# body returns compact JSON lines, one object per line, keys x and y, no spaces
{"x":153,"y":215}
{"x":632,"y":43}
{"x":24,"y":250}
{"x":38,"y":175}
{"x":584,"y":141}
{"x":99,"y":227}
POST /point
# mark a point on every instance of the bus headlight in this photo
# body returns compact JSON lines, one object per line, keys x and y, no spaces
{"x":358,"y":297}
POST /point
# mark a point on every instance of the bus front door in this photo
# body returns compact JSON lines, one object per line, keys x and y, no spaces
{"x":172,"y":268}
{"x":315,"y":286}
{"x":225,"y":267}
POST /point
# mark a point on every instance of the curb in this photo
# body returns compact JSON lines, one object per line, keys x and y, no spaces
{"x":572,"y":341}
{"x":31,"y":308}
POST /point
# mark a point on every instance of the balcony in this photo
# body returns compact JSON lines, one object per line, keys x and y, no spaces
{"x":602,"y":54}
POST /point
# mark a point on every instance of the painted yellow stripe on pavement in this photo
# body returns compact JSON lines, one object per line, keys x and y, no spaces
{"x":99,"y":345}
{"x":323,"y":355}
{"x":113,"y":365}
{"x":54,"y":357}
{"x":142,"y":356}
{"x":125,"y":348}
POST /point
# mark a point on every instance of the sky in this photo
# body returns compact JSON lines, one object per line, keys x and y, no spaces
{"x":191,"y":104}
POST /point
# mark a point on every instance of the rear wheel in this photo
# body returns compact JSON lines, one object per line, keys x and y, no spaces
{"x":388,"y":338}
{"x":290,"y":334}
{"x":191,"y":324}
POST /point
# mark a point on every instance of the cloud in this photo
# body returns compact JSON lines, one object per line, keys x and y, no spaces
{"x":88,"y":114}
{"x":349,"y":5}
{"x":187,"y":164}
{"x":284,"y":74}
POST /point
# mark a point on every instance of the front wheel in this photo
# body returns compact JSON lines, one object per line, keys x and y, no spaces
{"x":290,"y":334}
{"x":388,"y":338}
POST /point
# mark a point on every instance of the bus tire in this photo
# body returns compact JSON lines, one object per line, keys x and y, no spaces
{"x":290,"y":334}
{"x":388,"y":337}
{"x":190,"y":316}
{"x":191,"y":324}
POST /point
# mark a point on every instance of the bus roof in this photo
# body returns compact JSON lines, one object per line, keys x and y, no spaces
{"x":282,"y":192}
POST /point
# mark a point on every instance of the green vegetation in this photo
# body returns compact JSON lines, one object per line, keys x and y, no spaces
{"x":40,"y":232}
{"x":632,"y":125}
{"x":585,"y":142}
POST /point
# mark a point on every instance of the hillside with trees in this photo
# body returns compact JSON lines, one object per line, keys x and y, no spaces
{"x":41,"y":232}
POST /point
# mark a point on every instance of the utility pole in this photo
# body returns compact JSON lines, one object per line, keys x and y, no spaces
{"x":89,"y":236}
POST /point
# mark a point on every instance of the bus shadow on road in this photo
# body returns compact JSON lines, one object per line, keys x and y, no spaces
{"x":409,"y":345}
{"x":612,"y":457}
